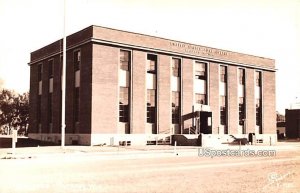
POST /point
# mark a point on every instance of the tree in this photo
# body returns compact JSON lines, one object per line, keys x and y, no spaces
{"x":14,"y":111}
{"x":280,"y":117}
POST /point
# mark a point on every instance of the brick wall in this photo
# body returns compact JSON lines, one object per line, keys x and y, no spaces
{"x":164,"y":94}
{"x":85,"y":89}
{"x":187,"y":90}
{"x":250,"y":100}
{"x":33,"y":125}
{"x":56,"y":96}
{"x":214,"y":95}
{"x":105,"y":100}
{"x":45,"y":94}
{"x":152,"y":42}
{"x":233,"y":109}
{"x":70,"y":82}
{"x":139,"y":94}
{"x":269,"y":105}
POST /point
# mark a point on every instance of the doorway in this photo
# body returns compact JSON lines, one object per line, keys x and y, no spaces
{"x":205,"y":122}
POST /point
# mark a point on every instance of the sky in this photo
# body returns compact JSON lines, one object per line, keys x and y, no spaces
{"x":267,"y":28}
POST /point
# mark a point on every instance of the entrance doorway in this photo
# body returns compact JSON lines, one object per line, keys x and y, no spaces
{"x":205,"y":122}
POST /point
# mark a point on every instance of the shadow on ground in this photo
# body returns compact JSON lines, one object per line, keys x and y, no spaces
{"x":24,"y":142}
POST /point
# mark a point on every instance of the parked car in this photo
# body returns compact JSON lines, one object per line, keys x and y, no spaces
{"x":238,"y":141}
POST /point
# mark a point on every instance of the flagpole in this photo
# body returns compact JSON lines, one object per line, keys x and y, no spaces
{"x":63,"y":78}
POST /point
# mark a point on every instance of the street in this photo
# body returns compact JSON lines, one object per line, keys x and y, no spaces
{"x":171,"y":173}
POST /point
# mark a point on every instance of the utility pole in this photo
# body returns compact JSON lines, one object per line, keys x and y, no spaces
{"x":63,"y":108}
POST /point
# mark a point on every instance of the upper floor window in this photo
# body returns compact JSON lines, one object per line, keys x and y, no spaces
{"x":77,"y":59}
{"x":50,"y":64}
{"x":40,"y":72}
{"x":223,"y":73}
{"x":200,"y":98}
{"x":258,"y":78}
{"x":151,"y":63}
{"x":125,"y":60}
{"x":176,"y":67}
{"x":175,"y":107}
{"x":241,"y":110}
{"x":241,"y":76}
{"x":200,"y":70}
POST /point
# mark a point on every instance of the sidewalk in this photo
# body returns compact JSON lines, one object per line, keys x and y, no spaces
{"x":54,"y":151}
{"x":131,"y":151}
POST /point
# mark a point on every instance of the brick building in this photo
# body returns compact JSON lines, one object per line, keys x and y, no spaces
{"x":292,"y":120}
{"x":124,"y":86}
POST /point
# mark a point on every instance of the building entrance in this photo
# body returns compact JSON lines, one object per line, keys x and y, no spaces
{"x":205,"y":122}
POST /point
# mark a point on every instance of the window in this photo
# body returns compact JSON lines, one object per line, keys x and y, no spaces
{"x":50,"y":65}
{"x":241,"y":76}
{"x":258,"y":112}
{"x":176,"y":67}
{"x":200,"y":70}
{"x":223,"y":73}
{"x":124,"y":104}
{"x":223,"y":110}
{"x":151,"y":93}
{"x":40,"y":72}
{"x":125,"y":60}
{"x":76,"y":104}
{"x":151,"y":97}
{"x":151,"y":63}
{"x":258,"y":78}
{"x":151,"y":106}
{"x":200,"y":98}
{"x":241,"y":111}
{"x":175,"y":107}
{"x":77,"y":59}
{"x":50,"y":108}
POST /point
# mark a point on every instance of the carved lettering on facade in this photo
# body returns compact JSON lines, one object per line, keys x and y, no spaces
{"x":197,"y":50}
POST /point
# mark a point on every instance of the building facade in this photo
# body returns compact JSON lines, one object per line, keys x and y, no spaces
{"x":123,"y":86}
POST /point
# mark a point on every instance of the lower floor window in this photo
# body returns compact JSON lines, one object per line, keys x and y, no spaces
{"x":175,"y":115}
{"x":223,"y":109}
{"x":124,"y":104}
{"x":241,"y":111}
{"x":175,"y":107}
{"x":151,"y":106}
{"x":123,"y":113}
{"x":223,"y":115}
{"x":151,"y":114}
{"x":258,"y":112}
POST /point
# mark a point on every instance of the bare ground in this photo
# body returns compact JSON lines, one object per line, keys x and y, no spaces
{"x":280,"y":174}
